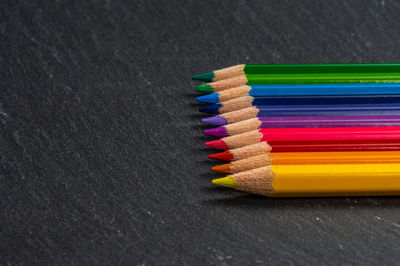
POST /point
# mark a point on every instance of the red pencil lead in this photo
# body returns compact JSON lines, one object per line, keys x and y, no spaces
{"x":217,"y":144}
{"x":226,"y":156}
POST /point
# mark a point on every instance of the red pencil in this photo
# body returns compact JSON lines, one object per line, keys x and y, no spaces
{"x":306,"y":146}
{"x":306,"y":134}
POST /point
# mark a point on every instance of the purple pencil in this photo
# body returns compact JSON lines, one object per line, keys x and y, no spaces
{"x":304,"y":122}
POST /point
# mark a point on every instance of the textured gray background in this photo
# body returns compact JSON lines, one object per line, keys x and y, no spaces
{"x":102,"y":158}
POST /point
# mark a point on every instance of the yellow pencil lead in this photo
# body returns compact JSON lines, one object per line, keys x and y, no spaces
{"x":225,"y":182}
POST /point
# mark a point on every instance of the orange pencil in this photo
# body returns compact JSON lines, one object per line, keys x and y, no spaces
{"x":296,"y":158}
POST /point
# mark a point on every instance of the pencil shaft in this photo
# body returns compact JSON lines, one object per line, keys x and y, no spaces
{"x":323,"y":78}
{"x":330,"y":179}
{"x":318,"y":180}
{"x":250,"y":69}
{"x":320,"y":68}
{"x":350,"y":157}
{"x":301,"y":90}
{"x":308,"y":146}
{"x":303,"y":122}
{"x":307,"y":134}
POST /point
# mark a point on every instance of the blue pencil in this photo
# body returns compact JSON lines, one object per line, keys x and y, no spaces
{"x":301,"y":90}
{"x":303,"y":110}
{"x":247,"y":101}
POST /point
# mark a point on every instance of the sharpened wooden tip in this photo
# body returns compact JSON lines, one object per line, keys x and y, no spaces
{"x":228,"y":83}
{"x":256,"y":181}
{"x":240,"y":115}
{"x":241,"y":140}
{"x":243,"y":126}
{"x":229,"y":72}
{"x":250,"y":163}
{"x":233,"y":93}
{"x":250,"y":151}
{"x":236,"y":104}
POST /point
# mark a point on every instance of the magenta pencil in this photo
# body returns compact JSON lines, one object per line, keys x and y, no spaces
{"x":303,"y":122}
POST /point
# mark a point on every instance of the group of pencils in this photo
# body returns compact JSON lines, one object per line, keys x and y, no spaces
{"x":305,"y":129}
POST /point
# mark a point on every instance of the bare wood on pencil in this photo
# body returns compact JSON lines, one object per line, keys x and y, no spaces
{"x":240,"y":115}
{"x":228,"y":83}
{"x":236,"y":104}
{"x":257,"y":181}
{"x":244,"y":139}
{"x":228,"y":72}
{"x":233,"y":93}
{"x":250,"y":163}
{"x":243,"y":126}
{"x":250,"y":150}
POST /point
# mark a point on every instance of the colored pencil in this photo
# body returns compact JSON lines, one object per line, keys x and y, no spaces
{"x":303,"y":110}
{"x":317,"y":180}
{"x":306,"y":146}
{"x":303,"y":122}
{"x":318,"y":78}
{"x":350,"y":157}
{"x":301,"y":90}
{"x":306,"y":134}
{"x":248,"y":101}
{"x":242,"y":152}
{"x":247,"y":69}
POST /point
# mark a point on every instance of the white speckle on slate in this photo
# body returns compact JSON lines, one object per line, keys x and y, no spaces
{"x":378,"y":218}
{"x":317,"y":218}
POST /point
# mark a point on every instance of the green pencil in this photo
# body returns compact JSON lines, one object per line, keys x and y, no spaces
{"x":318,"y":78}
{"x":251,"y":69}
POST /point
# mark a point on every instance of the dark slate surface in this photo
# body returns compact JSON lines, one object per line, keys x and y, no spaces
{"x":101,"y":151}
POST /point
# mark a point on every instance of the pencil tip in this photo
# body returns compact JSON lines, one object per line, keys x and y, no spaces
{"x":204,"y":88}
{"x":219,"y":132}
{"x":225,"y":182}
{"x":211,"y":109}
{"x":208,"y":98}
{"x":214,"y":120}
{"x":217,"y":144}
{"x":226,"y":156}
{"x":204,"y":77}
{"x":223,"y":168}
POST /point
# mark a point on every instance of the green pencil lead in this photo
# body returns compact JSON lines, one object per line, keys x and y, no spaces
{"x":204,"y":88}
{"x":204,"y":77}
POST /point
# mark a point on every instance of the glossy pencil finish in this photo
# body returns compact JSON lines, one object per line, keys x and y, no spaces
{"x":306,"y":134}
{"x":303,"y":122}
{"x":318,"y":180}
{"x":246,"y":69}
{"x":303,"y":110}
{"x":301,"y":90}
{"x":247,"y":101}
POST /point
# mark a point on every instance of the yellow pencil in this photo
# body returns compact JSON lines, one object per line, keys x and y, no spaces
{"x":317,"y":180}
